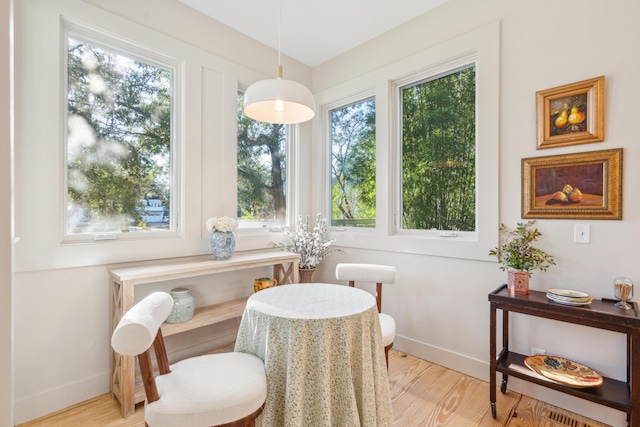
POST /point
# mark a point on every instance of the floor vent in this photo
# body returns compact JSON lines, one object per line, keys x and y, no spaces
{"x":566,"y":420}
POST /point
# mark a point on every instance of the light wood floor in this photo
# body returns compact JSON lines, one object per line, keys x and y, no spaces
{"x":423,"y":395}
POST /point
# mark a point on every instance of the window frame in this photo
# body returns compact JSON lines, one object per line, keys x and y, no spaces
{"x":445,"y":69}
{"x":137,"y":52}
{"x":291,"y":132}
{"x":326,"y":111}
{"x":481,"y":46}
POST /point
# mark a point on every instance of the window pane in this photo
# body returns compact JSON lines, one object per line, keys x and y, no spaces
{"x":353,"y":165}
{"x":118,"y":141}
{"x":438,"y":153}
{"x":262,"y":200}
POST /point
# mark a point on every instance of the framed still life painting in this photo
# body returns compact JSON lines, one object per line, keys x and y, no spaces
{"x":570,"y":114}
{"x":573,"y":186}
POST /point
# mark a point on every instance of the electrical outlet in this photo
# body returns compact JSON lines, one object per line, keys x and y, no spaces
{"x":535,"y":350}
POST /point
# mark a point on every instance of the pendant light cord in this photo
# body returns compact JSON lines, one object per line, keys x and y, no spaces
{"x":279,"y":25}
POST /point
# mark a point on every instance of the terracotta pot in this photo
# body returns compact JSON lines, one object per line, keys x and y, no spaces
{"x":518,"y":282}
{"x":306,"y":275}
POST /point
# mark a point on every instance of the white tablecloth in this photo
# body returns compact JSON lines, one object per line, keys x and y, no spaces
{"x":323,"y":355}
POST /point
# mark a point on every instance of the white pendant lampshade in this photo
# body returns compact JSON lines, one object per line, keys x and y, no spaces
{"x":278,"y":101}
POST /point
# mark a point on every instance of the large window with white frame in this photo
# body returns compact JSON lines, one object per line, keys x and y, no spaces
{"x":352,"y":138}
{"x":262,"y":172}
{"x":436,"y":149}
{"x":119,"y":151}
{"x":438,"y":152}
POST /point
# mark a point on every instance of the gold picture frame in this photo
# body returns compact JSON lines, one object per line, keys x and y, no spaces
{"x":571,"y":114}
{"x":573,"y":186}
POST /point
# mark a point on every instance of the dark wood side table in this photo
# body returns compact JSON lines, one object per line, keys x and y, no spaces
{"x":624,"y":396}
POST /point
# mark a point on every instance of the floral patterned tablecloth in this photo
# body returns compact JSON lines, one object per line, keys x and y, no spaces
{"x":323,"y":354}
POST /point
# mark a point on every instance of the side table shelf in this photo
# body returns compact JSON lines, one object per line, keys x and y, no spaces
{"x":620,"y":395}
{"x":208,"y":315}
{"x":124,"y":280}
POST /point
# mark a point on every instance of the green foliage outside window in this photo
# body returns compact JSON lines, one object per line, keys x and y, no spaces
{"x":118,"y":141}
{"x":438,"y":153}
{"x":353,"y":165}
{"x":261,"y":171}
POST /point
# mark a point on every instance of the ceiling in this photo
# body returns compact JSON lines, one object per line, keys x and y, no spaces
{"x":313,"y":31}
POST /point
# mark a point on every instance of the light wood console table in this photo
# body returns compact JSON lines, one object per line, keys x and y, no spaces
{"x":124,"y":281}
{"x":621,"y":395}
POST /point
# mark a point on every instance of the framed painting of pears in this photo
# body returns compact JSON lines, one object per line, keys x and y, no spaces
{"x":573,"y":186}
{"x":571,"y":114}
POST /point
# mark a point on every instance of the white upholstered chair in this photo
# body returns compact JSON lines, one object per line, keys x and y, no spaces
{"x":225,"y":389}
{"x":377,"y":274}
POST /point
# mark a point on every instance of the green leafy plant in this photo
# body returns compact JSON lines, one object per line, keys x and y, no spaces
{"x":516,"y":252}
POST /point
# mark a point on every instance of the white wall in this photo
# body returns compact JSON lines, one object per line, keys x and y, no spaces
{"x":6,"y":225}
{"x":440,"y":303}
{"x":61,"y":290}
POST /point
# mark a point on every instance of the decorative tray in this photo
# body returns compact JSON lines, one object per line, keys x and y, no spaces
{"x":564,"y":371}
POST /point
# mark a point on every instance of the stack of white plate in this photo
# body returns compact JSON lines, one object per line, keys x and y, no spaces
{"x":569,"y":297}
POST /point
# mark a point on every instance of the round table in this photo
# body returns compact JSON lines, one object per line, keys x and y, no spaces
{"x":323,"y":354}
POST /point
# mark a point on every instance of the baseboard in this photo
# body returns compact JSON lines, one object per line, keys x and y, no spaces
{"x":53,"y":400}
{"x":440,"y":356}
{"x":480,"y":369}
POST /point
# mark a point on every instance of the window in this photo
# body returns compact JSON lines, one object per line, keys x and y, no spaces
{"x":439,"y":152}
{"x":118,"y":142}
{"x":262,"y":171}
{"x":353,"y":165}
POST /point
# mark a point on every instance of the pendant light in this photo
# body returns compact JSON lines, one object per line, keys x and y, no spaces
{"x":278,"y":100}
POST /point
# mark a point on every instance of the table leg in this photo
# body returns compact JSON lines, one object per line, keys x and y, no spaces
{"x":492,"y":364}
{"x":505,"y":347}
{"x":634,"y":389}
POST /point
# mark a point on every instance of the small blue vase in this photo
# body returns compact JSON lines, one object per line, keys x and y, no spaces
{"x":223,"y":243}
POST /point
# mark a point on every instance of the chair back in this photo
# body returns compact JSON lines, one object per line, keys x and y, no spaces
{"x":138,"y":329}
{"x":369,"y":273}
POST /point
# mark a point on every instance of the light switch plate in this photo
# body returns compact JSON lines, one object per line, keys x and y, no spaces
{"x":581,"y":233}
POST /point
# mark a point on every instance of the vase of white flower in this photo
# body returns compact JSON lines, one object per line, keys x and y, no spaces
{"x":313,"y":246}
{"x":223,"y":238}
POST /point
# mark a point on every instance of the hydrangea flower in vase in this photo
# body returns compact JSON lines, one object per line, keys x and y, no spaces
{"x":223,"y":238}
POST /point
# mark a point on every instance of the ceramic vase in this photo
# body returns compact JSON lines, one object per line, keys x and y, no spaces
{"x":223,"y":243}
{"x":183,"y":306}
{"x":518,"y":282}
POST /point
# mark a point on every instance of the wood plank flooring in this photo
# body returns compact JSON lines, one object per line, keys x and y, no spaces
{"x":423,"y":395}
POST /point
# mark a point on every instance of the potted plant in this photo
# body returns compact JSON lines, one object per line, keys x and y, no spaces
{"x":518,"y":257}
{"x":313,"y":246}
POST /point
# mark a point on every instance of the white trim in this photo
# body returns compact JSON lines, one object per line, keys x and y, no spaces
{"x":207,"y":127}
{"x":356,"y":98}
{"x":481,"y":46}
{"x":480,"y":369}
{"x":136,"y":52}
{"x":442,"y":69}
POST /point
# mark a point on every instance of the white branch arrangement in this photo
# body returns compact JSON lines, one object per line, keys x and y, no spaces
{"x":313,"y":246}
